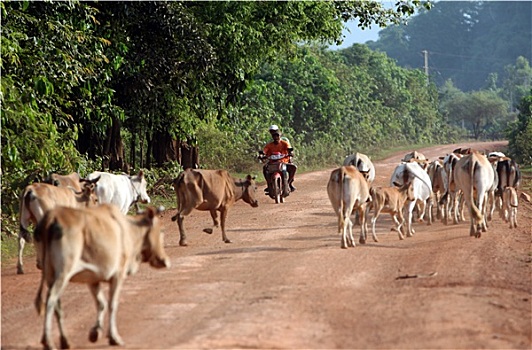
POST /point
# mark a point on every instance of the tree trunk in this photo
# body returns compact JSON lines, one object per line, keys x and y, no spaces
{"x":113,"y":152}
{"x":164,"y":148}
{"x":189,"y":156}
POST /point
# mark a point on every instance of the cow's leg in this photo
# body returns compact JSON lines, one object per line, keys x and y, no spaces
{"x":53,"y":306}
{"x":21,"y":243}
{"x":101,"y":307}
{"x":363,"y":226}
{"x":430,"y":206}
{"x":223,"y":216}
{"x":446,"y":209}
{"x":182,"y":234}
{"x":514,"y":216}
{"x":409,"y":208}
{"x":422,"y":205}
{"x":215,"y":223}
{"x":346,"y":227}
{"x":453,"y":208}
{"x":481,"y":223}
{"x":399,"y":222}
{"x":114,"y":290}
{"x":374,"y":221}
{"x":59,"y":317}
{"x":350,"y":237}
{"x":461,"y":202}
{"x":491,"y":201}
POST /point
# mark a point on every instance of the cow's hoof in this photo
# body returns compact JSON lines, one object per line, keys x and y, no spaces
{"x":20,"y":270}
{"x":183,"y":243}
{"x":94,"y":334}
{"x":207,"y":230}
{"x":116,"y":341}
{"x":227,"y":241}
{"x":361,"y":241}
{"x":64,"y":343}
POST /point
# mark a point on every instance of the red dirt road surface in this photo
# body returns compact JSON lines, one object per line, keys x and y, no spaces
{"x":285,"y":283}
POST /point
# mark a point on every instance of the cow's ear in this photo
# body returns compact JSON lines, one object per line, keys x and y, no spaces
{"x":141,"y":173}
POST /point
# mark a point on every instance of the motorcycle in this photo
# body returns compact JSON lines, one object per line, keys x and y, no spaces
{"x":278,"y":187}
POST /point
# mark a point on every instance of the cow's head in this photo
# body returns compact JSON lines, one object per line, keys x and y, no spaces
{"x":139,"y":185}
{"x":88,"y":192}
{"x":249,"y":191}
{"x":153,"y":244}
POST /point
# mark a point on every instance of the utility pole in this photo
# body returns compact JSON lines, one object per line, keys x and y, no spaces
{"x":426,"y":66}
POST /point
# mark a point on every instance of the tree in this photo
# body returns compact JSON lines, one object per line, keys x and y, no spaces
{"x":520,"y":133}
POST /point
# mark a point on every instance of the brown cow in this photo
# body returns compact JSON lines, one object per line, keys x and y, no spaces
{"x":510,"y":202}
{"x":94,"y":245}
{"x":348,"y":191}
{"x":71,"y":180}
{"x":212,"y":190}
{"x":438,"y":179}
{"x":452,"y":198}
{"x":390,"y":200}
{"x":38,"y":198}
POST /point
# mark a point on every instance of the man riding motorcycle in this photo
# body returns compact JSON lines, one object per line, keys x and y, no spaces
{"x":280,"y":146}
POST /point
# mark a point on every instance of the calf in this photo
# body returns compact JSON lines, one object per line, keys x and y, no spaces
{"x":509,"y":206}
{"x":38,"y":198}
{"x":405,"y":173}
{"x":348,"y":191}
{"x":91,"y":246}
{"x":390,"y":200}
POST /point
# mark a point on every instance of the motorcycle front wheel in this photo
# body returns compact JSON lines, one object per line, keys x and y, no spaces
{"x":278,"y":190}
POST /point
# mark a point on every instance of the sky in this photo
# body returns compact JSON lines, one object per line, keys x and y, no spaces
{"x":353,"y":34}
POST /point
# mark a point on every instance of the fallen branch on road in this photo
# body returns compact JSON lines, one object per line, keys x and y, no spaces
{"x":419,"y":275}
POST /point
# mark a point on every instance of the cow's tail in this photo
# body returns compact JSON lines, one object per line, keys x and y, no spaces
{"x":177,"y":183}
{"x":25,"y":214}
{"x":341,"y":216}
{"x":473,"y":166}
{"x":41,"y":237}
{"x":517,"y":179}
{"x":39,"y":302}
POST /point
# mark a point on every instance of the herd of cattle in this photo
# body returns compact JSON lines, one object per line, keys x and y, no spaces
{"x":84,"y":234}
{"x":465,"y":177}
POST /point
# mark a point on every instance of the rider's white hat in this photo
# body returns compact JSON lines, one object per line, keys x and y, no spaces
{"x":273,"y":128}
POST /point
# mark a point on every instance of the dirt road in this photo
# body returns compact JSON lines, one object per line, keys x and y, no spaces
{"x":285,"y":282}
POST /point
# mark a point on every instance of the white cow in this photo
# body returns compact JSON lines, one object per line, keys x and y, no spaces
{"x":474,"y":175}
{"x":405,"y":173}
{"x":363,"y":164}
{"x":121,"y":190}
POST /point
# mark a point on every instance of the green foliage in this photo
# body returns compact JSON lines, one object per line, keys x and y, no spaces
{"x":520,"y":133}
{"x":466,"y":41}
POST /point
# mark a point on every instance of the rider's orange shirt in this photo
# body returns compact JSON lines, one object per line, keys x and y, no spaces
{"x":282,"y":147}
